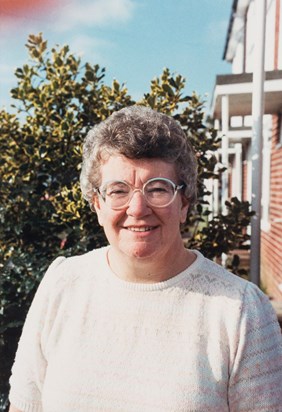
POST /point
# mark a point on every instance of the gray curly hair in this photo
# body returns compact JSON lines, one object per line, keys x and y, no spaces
{"x":138,"y":132}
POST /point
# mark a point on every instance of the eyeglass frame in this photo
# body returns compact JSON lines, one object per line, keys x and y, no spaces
{"x":176,"y":188}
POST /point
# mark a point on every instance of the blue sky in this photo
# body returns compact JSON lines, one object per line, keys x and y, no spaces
{"x":133,"y":39}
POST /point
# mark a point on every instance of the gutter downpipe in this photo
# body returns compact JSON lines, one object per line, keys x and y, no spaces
{"x":257,"y":130}
{"x":224,"y":148}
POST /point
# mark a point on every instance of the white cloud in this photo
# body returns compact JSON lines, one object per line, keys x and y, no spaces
{"x":70,"y":14}
{"x":87,"y":45}
{"x":89,"y":13}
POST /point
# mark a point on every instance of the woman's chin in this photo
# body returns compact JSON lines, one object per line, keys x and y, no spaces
{"x":142,"y":253}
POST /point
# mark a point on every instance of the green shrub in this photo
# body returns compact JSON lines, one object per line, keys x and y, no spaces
{"x":42,"y":214}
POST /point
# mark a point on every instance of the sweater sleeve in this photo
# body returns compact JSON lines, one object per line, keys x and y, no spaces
{"x":256,"y":374}
{"x":29,"y":368}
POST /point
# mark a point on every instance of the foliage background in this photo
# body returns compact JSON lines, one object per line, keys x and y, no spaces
{"x":42,"y":214}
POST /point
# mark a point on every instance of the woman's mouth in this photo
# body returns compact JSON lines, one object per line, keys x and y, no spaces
{"x":141,"y":229}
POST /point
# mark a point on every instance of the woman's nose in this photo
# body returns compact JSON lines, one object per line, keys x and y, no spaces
{"x":138,"y":204}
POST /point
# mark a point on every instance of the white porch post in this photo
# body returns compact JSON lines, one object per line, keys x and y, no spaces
{"x":257,"y":118}
{"x":238,"y":171}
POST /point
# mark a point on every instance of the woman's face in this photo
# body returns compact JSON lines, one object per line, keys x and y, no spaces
{"x":141,"y":231}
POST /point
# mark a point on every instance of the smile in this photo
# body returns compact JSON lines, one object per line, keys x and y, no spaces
{"x":141,"y":229}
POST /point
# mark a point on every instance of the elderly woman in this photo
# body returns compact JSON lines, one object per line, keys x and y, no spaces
{"x":145,"y":325}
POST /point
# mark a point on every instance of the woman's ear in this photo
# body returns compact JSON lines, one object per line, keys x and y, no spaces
{"x":184,"y":209}
{"x":95,"y":204}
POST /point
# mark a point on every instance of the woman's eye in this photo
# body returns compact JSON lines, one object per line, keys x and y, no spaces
{"x":117,"y":190}
{"x":157,"y":189}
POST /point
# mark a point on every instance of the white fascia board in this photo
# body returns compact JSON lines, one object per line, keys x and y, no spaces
{"x":236,"y":30}
{"x":246,"y":88}
{"x":240,"y":134}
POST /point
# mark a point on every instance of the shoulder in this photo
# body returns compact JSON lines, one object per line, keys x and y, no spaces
{"x":80,"y":262}
{"x":65,"y":271}
{"x":215,"y":280}
{"x":233,"y":297}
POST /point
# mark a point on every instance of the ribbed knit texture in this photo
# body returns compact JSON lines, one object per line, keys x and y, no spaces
{"x":203,"y":341}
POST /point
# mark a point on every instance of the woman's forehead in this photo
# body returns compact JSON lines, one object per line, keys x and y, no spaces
{"x":119,"y":167}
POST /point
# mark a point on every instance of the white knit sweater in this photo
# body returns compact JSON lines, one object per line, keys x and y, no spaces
{"x":202,"y":341}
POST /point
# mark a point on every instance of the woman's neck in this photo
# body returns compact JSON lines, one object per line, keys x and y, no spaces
{"x":149,"y":270}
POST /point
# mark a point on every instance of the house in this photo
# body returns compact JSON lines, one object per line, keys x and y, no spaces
{"x":231,"y":109}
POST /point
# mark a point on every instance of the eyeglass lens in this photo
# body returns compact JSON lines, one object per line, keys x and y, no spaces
{"x":158,"y":192}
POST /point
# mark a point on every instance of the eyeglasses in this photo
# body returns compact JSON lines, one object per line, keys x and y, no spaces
{"x":158,"y":192}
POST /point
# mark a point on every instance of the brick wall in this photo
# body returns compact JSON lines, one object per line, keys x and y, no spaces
{"x":271,"y":240}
